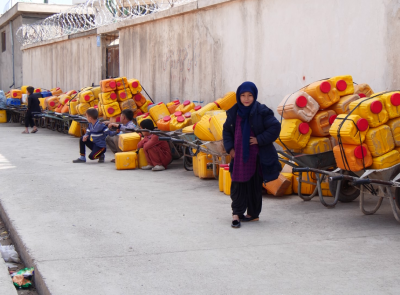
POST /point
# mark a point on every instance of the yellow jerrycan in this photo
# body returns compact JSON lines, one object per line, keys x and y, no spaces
{"x":3,"y":116}
{"x":111,"y":110}
{"x":56,"y":91}
{"x":323,"y":92}
{"x":86,"y":96}
{"x":227,"y":181}
{"x":185,"y":107}
{"x":72,"y":106}
{"x":23,"y":89}
{"x":144,"y":108}
{"x":142,"y":161}
{"x":295,"y":134}
{"x":343,"y":84}
{"x":202,"y":129}
{"x":128,"y":141}
{"x":143,"y":117}
{"x":205,"y":166}
{"x":75,"y":129}
{"x":298,"y":105}
{"x":122,"y":83}
{"x":164,"y":124}
{"x":363,"y":90}
{"x":221,"y":176}
{"x":226,"y":102}
{"x":322,"y":122}
{"x":391,"y":101}
{"x":124,"y":94}
{"x":128,"y":105}
{"x":15,"y":93}
{"x":387,"y":160}
{"x":82,"y":108}
{"x":126,"y":161}
{"x":306,"y":188}
{"x":343,"y":105}
{"x":159,"y":111}
{"x":379,"y":140}
{"x":108,"y":97}
{"x":317,"y":145}
{"x":135,"y":86}
{"x":394,"y":125}
{"x":217,"y":125}
{"x":353,"y":130}
{"x":64,"y":99}
{"x":108,"y":85}
{"x":200,"y":112}
{"x":372,"y":109}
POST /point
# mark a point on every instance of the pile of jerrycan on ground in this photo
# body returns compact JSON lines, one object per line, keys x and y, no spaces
{"x":361,"y":127}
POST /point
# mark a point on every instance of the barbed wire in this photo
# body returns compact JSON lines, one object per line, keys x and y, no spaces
{"x":90,"y":15}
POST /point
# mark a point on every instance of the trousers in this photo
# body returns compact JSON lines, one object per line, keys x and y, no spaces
{"x":96,"y":150}
{"x":112,"y":142}
{"x":29,"y":119}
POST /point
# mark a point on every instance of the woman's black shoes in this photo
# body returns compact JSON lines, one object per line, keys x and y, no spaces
{"x":235,"y":223}
{"x":249,"y":219}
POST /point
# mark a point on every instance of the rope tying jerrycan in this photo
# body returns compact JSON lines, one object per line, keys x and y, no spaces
{"x":353,"y":130}
{"x":394,"y":125}
{"x":323,"y":92}
{"x":126,"y":161}
{"x":108,"y":85}
{"x":299,"y":105}
{"x":387,"y":160}
{"x":343,"y":105}
{"x":226,"y":102}
{"x":343,"y":84}
{"x":295,"y":134}
{"x":379,"y":140}
{"x":391,"y":101}
{"x":321,"y":123}
{"x":112,"y":109}
{"x":122,"y":83}
{"x":135,"y":86}
{"x":108,"y":97}
{"x":159,"y":111}
{"x":371,"y":109}
{"x":363,"y":90}
{"x":354,"y":157}
{"x":124,"y":94}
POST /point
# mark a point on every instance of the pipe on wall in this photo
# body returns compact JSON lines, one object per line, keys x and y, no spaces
{"x":12,"y":53}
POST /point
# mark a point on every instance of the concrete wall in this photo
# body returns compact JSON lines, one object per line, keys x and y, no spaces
{"x":69,"y":64}
{"x":281,"y":45}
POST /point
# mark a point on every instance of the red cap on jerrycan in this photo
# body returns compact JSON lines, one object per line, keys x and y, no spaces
{"x":325,"y":87}
{"x":301,"y":101}
{"x":135,"y":84}
{"x":304,"y":128}
{"x":341,"y":85}
{"x":362,"y":124}
{"x":87,"y":97}
{"x":376,"y":107}
{"x":362,"y":95}
{"x":177,"y":114}
{"x":186,"y":102}
{"x":138,"y":97}
{"x":122,"y":94}
{"x":395,"y":99}
{"x":112,"y":84}
{"x":113,"y":96}
{"x":188,"y":115}
{"x":360,"y":152}
{"x":160,"y":103}
{"x":118,"y":84}
{"x":197,"y":108}
{"x":180,"y":119}
{"x":37,"y":90}
{"x":52,"y":103}
{"x":223,"y":165}
{"x":15,"y":94}
{"x":110,"y":110}
{"x":332,"y":119}
{"x":167,"y":118}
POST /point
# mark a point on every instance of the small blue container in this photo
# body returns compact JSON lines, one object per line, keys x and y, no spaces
{"x":13,"y":102}
{"x":46,"y":93}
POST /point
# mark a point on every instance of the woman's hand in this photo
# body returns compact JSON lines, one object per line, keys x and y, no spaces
{"x":232,"y":153}
{"x":253,"y":140}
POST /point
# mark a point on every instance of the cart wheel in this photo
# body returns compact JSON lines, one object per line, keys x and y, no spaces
{"x":394,"y":203}
{"x":305,"y":198}
{"x":321,"y":197}
{"x":363,"y":210}
{"x":188,"y":163}
{"x":347,"y":193}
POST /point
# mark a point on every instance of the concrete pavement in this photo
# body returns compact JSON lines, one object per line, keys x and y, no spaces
{"x":6,"y":284}
{"x":90,"y":229}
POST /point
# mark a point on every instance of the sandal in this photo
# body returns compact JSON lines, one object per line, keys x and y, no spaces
{"x":249,"y":219}
{"x":235,"y":223}
{"x":24,"y":132}
{"x":35,"y":130}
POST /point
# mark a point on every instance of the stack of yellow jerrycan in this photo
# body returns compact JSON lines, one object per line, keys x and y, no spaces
{"x":109,"y":98}
{"x":309,"y":114}
{"x":368,"y":136}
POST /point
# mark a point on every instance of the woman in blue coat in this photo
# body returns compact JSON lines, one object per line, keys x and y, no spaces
{"x":249,"y":132}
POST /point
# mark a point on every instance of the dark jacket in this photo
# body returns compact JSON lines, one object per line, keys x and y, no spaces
{"x":34,"y":103}
{"x":266,"y":128}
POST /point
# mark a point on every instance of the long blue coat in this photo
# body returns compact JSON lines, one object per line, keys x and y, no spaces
{"x":266,"y":128}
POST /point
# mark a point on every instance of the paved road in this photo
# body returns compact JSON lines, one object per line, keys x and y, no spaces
{"x":93,"y":230}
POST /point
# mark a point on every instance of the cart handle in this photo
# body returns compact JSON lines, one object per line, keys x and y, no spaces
{"x":301,"y":170}
{"x":362,"y":181}
{"x":174,"y":140}
{"x":334,"y":178}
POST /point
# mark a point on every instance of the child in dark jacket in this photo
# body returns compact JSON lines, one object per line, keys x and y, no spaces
{"x":249,"y":133}
{"x":94,"y":138}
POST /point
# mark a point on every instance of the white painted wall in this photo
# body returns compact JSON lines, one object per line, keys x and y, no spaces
{"x":274,"y":43}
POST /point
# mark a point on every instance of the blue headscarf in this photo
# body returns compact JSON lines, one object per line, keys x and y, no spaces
{"x":244,"y":113}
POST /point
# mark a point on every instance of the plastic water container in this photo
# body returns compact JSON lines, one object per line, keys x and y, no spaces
{"x":179,"y":121}
{"x":372,"y":109}
{"x":128,"y":141}
{"x":111,"y":110}
{"x":82,"y":108}
{"x":124,"y":94}
{"x":323,"y":92}
{"x":343,"y":84}
{"x":195,"y":166}
{"x":64,"y":99}
{"x":221,"y":176}
{"x":143,"y":117}
{"x":205,"y":166}
{"x":306,"y":188}
{"x":52,"y":102}
{"x":317,"y":145}
{"x":139,"y":99}
{"x":202,"y":129}
{"x":356,"y":155}
{"x":295,"y":134}
{"x":108,"y":97}
{"x":188,"y":129}
{"x":278,"y":186}
{"x":363,"y":90}
{"x":185,"y":107}
{"x":13,"y":102}
{"x":196,"y":116}
{"x":122,"y":83}
{"x":108,"y":85}
{"x":353,"y":130}
{"x":23,"y":89}
{"x":145,"y":107}
{"x":100,"y":109}
{"x":379,"y":140}
{"x":227,"y":102}
{"x":37,"y":90}
{"x":343,"y":105}
{"x":142,"y":161}
{"x":116,"y":119}
{"x":391,"y":101}
{"x":227,"y":181}
{"x":135,"y":86}
{"x":164,"y":123}
{"x":65,"y":109}
{"x":59,"y":108}
{"x":159,"y":111}
{"x":46,"y":94}
{"x":3,"y":116}
{"x":75,"y":129}
{"x":72,"y":107}
{"x":56,"y":91}
{"x":128,"y":104}
{"x":173,"y":105}
{"x":71,"y":93}
{"x":188,"y":117}
{"x":289,"y":177}
{"x":387,"y":160}
{"x":15,"y":93}
{"x":217,"y":125}
{"x":86,"y":96}
{"x":394,"y":125}
{"x":126,"y":161}
{"x":299,"y":105}
{"x":322,"y":122}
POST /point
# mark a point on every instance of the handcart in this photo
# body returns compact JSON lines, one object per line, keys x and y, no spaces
{"x":382,"y":183}
{"x":319,"y":162}
{"x":54,"y":121}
